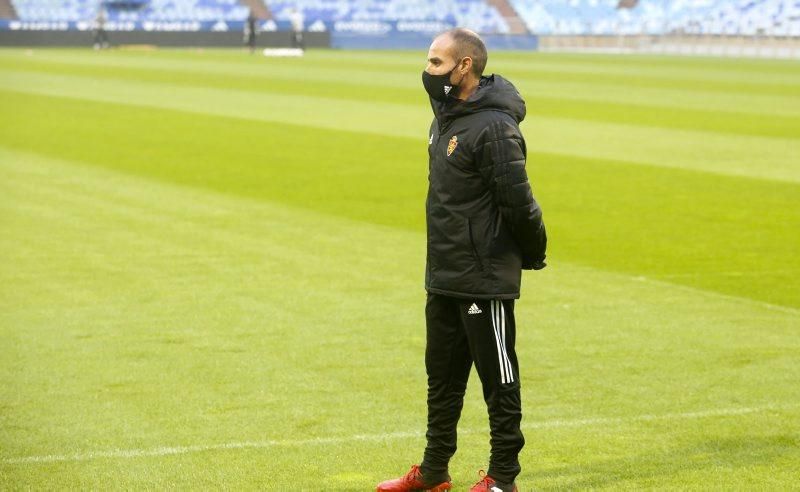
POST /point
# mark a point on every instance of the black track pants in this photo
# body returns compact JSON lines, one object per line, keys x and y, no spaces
{"x":460,"y":332}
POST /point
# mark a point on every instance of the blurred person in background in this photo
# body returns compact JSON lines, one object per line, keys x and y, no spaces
{"x":251,"y":31}
{"x":298,"y":20}
{"x":100,"y":35}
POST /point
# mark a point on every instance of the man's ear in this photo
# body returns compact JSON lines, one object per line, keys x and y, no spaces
{"x":466,"y":64}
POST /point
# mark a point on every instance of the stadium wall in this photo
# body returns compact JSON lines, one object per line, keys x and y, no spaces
{"x":422,"y":40}
{"x":165,"y":39}
{"x":277,"y":39}
{"x":679,"y":44}
{"x":345,"y":35}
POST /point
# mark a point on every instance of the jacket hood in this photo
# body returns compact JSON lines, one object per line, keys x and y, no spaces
{"x":494,"y":93}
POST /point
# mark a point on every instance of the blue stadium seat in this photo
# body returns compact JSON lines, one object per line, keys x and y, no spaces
{"x":747,"y":17}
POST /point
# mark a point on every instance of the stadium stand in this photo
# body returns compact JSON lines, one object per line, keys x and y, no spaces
{"x":474,"y":14}
{"x":543,"y":17}
{"x":148,"y":10}
{"x":716,"y":17}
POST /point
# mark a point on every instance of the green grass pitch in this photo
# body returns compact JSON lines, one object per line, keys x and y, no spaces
{"x":212,"y":272}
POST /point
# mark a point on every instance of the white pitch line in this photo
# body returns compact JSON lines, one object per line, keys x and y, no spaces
{"x":547,"y":424}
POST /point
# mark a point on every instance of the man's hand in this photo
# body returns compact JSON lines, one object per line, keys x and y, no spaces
{"x":535,"y":265}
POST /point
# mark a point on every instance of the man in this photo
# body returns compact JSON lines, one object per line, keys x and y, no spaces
{"x":251,"y":31}
{"x":100,"y":35}
{"x":297,"y":19}
{"x":484,"y":227}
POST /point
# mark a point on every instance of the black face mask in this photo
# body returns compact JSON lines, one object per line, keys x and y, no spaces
{"x":439,"y":87}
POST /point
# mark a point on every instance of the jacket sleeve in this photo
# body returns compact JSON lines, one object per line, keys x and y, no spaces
{"x":501,"y":158}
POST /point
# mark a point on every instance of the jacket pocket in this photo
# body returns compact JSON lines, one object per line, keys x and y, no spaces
{"x":472,"y":246}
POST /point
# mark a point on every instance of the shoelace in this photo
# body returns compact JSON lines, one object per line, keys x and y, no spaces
{"x":485,"y":479}
{"x":412,"y":474}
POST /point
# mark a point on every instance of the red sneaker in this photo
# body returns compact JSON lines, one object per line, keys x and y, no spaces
{"x":412,"y":481}
{"x":489,"y":484}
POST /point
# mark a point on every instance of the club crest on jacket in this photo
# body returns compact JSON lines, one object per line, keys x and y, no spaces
{"x":451,"y":146}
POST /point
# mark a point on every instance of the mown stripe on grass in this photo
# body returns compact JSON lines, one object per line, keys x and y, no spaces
{"x":719,"y":153}
{"x":405,"y":89}
{"x":337,"y":84}
{"x":655,"y":221}
{"x":666,"y":62}
{"x":636,"y":80}
{"x":723,"y":122}
{"x":658,"y":67}
{"x":655,"y":69}
{"x":754,"y":103}
{"x":299,"y":71}
{"x":752,"y":156}
{"x":319,"y":112}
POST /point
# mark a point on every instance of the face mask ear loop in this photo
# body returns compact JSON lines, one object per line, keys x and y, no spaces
{"x":462,"y":77}
{"x":454,"y":69}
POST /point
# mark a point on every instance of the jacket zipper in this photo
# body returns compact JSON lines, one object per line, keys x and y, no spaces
{"x":472,"y":245}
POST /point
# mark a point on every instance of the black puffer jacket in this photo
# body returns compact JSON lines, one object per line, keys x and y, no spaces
{"x":484,"y":225}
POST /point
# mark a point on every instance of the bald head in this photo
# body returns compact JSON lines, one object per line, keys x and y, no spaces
{"x":466,"y":43}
